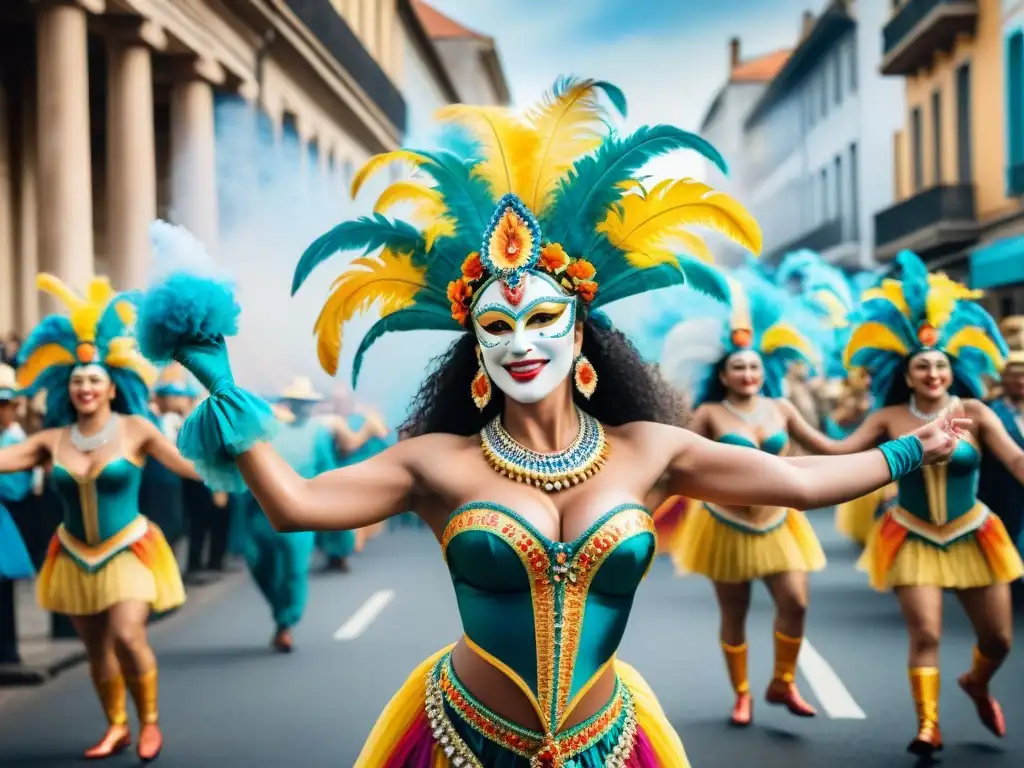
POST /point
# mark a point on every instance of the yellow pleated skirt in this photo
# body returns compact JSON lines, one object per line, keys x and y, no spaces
{"x":856,"y":518}
{"x":146,"y":571}
{"x":403,"y":717}
{"x":896,"y":556}
{"x":726,"y":551}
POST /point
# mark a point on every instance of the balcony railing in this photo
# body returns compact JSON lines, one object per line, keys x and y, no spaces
{"x":1015,"y":180}
{"x":331,"y":30}
{"x":922,"y":27}
{"x":937,"y":219}
{"x":821,"y":238}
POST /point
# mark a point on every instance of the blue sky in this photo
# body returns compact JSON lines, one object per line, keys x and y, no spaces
{"x":669,"y":56}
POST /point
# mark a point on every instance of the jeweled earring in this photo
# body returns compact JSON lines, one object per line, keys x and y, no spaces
{"x":584,"y":376}
{"x":480,"y":387}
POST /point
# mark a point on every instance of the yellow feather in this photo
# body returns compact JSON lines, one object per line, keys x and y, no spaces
{"x":377,"y":162}
{"x":943,"y":294}
{"x":873,"y":335}
{"x":639,"y":225}
{"x":126,"y":311}
{"x":784,"y":335}
{"x":429,"y":208}
{"x":509,"y":146}
{"x":82,"y":313}
{"x":836,"y":310}
{"x":44,"y":358}
{"x":739,"y":318}
{"x":56,"y":287}
{"x":891,"y":291}
{"x":123,"y":353}
{"x":390,"y":279}
{"x":568,"y":127}
{"x":976,"y":339}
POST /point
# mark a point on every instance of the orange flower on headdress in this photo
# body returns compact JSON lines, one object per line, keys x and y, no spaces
{"x":460,"y":294}
{"x":927,"y":335}
{"x":472,"y":268}
{"x":742,"y":338}
{"x":581,"y":269}
{"x":553,"y":258}
{"x":586,"y":290}
{"x":511,"y":245}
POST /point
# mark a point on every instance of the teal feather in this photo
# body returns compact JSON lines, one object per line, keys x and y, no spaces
{"x":468,"y":197}
{"x":420,"y":317}
{"x":591,"y":186}
{"x":54,"y":329}
{"x":612,"y":92}
{"x":367,"y":233}
{"x":914,"y":276}
{"x":690,"y":272}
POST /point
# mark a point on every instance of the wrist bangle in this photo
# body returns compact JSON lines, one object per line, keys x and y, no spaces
{"x":903,"y":455}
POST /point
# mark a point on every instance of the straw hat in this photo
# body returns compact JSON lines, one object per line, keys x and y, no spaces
{"x":8,"y":383}
{"x":301,"y":388}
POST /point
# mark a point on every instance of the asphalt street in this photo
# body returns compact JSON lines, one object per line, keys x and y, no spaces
{"x":227,"y":700}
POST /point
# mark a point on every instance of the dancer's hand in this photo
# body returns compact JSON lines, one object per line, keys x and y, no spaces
{"x":208,"y":362}
{"x":939,"y":436}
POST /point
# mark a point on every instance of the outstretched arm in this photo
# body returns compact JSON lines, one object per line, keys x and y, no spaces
{"x":28,"y":454}
{"x":741,"y":477}
{"x":352,"y":497}
{"x":996,"y":439}
{"x":154,"y":443}
{"x":867,"y":435}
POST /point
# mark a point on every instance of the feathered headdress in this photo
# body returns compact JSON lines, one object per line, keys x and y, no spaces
{"x":176,"y":381}
{"x":921,"y":312}
{"x":98,"y":329}
{"x":552,"y":192}
{"x":694,"y":348}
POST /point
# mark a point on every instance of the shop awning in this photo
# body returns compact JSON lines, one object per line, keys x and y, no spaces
{"x":998,"y":264}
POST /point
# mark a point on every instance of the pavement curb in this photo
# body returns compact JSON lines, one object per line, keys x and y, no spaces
{"x":35,"y":675}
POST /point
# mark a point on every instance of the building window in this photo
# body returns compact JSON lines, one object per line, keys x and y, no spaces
{"x":897,"y":160}
{"x":964,"y":168}
{"x":1015,"y":105}
{"x":937,"y":137}
{"x":854,"y":195}
{"x":916,"y":157}
{"x":837,"y":76}
{"x":825,"y":208}
{"x":853,"y":63}
{"x":823,"y":87}
{"x":837,"y":182}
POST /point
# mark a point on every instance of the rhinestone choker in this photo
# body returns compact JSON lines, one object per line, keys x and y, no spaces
{"x":548,"y":471}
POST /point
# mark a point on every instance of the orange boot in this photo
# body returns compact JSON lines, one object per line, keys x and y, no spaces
{"x":736,"y":663}
{"x":782,"y":689}
{"x":975,"y":684}
{"x":924,"y":687}
{"x":144,"y":692}
{"x":118,"y":736}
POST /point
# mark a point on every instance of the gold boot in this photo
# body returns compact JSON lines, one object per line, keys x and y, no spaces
{"x":975,"y":684}
{"x":112,"y":697}
{"x":736,"y":663}
{"x":924,"y":687}
{"x":782,"y":690}
{"x":144,"y":692}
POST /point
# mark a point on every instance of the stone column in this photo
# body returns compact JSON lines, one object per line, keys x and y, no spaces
{"x":65,"y":165}
{"x":28,"y":219}
{"x":131,"y":155}
{"x":193,"y":158}
{"x":8,"y":244}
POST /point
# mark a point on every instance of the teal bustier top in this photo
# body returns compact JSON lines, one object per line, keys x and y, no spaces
{"x":549,"y":615}
{"x":99,"y":506}
{"x":941,"y":493}
{"x":774,"y":443}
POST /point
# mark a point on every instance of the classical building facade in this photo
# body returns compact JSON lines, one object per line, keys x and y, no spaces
{"x":818,"y":133}
{"x":112,"y":112}
{"x":954,"y":194}
{"x":722,"y":125}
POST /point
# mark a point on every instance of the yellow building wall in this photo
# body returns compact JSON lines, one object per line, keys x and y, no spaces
{"x":988,"y":132}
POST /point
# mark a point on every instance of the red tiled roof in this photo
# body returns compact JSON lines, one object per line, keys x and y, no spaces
{"x":438,"y":25}
{"x":760,"y":70}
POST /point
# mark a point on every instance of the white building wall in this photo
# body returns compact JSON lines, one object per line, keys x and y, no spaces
{"x":422,"y":92}
{"x":464,"y":60}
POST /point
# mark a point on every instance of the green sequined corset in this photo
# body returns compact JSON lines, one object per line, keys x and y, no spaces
{"x":97,"y":507}
{"x":941,"y":493}
{"x":549,"y":615}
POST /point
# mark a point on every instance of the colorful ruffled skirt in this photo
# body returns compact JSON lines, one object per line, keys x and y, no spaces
{"x":434,"y":722}
{"x":974,"y":550}
{"x":668,"y":521}
{"x":856,"y":518}
{"x":137,"y":564}
{"x":728,"y":547}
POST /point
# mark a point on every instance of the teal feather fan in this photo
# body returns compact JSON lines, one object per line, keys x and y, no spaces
{"x":559,"y":166}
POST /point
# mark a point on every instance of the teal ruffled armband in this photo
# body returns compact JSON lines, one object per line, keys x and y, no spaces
{"x":903,"y":455}
{"x":186,"y":318}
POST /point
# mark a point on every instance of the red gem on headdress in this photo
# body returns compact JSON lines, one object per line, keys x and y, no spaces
{"x":742,"y":338}
{"x":514,"y":295}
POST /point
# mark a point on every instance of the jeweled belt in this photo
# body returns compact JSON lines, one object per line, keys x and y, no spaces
{"x":542,"y":750}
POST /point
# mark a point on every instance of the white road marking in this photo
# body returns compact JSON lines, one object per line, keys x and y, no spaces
{"x":359,"y":621}
{"x":835,"y":699}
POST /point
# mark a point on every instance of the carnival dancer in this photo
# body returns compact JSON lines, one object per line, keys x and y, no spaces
{"x":279,"y":562}
{"x":107,"y":566}
{"x":535,"y":440}
{"x":15,"y":563}
{"x":923,"y":340}
{"x":739,"y":402}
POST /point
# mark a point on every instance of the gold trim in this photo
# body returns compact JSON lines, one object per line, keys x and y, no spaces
{"x":744,"y":521}
{"x":94,"y":554}
{"x":947,"y":532}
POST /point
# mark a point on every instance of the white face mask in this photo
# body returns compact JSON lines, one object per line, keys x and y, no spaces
{"x":527,"y":350}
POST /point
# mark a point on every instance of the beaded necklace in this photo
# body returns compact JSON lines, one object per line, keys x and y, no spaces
{"x":548,"y":471}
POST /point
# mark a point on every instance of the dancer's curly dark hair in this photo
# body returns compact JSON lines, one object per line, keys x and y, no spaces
{"x":628,"y":389}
